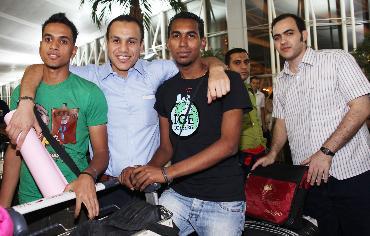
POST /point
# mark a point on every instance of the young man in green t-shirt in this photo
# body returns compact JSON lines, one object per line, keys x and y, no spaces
{"x":75,"y":111}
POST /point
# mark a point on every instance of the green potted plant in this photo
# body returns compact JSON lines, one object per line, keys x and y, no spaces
{"x":362,"y":55}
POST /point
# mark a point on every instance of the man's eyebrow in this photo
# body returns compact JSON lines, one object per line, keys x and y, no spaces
{"x":64,"y":37}
{"x":283,"y":32}
{"x":120,"y":38}
{"x":59,"y":37}
{"x":188,"y":32}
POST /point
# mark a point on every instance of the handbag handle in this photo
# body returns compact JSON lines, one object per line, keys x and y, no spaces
{"x":56,"y":146}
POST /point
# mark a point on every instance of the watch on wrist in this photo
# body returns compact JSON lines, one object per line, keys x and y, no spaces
{"x":327,"y":151}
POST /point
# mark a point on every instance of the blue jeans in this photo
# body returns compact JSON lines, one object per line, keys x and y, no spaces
{"x":204,"y":217}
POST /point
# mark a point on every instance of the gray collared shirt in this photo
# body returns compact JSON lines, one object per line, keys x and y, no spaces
{"x":314,"y":101}
{"x":133,"y":127}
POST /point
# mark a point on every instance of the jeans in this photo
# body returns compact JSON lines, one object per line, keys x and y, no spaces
{"x":204,"y":217}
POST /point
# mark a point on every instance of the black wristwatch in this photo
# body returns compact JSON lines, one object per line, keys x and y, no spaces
{"x":327,"y":151}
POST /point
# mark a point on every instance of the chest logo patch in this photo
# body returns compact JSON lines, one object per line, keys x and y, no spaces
{"x":190,"y":123}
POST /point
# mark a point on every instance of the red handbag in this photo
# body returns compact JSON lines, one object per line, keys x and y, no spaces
{"x":276,"y":194}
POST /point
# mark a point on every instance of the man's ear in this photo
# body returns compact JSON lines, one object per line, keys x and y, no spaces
{"x":142,"y":46}
{"x":203,"y":43}
{"x":304,"y":36}
{"x":74,"y":51}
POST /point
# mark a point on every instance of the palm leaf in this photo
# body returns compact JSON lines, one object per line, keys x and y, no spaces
{"x":102,"y":9}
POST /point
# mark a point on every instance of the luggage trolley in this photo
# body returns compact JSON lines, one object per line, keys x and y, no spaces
{"x":20,"y":226}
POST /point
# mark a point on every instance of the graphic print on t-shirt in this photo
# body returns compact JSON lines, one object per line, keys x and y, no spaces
{"x":64,"y":124}
{"x":188,"y":124}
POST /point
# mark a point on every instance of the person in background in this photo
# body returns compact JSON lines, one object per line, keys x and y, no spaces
{"x":200,"y":139}
{"x":255,"y":83}
{"x":321,"y":103}
{"x":268,"y":118}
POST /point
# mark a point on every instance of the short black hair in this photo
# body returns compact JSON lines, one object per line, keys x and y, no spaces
{"x":62,"y":19}
{"x":253,"y":78}
{"x":298,"y":20}
{"x":231,"y":52}
{"x":187,"y":15}
{"x":127,"y":18}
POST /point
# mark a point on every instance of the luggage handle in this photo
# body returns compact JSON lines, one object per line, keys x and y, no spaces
{"x":59,"y":198}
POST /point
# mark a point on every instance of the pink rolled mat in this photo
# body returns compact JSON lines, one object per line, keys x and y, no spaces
{"x":45,"y":172}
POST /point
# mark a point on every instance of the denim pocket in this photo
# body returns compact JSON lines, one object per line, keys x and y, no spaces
{"x":238,"y":206}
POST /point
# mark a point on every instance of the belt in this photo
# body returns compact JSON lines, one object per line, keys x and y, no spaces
{"x":104,"y":178}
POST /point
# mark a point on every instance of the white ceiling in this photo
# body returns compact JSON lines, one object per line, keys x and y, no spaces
{"x":20,"y":31}
{"x":20,"y":28}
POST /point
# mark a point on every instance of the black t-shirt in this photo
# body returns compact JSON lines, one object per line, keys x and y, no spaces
{"x":225,"y":180}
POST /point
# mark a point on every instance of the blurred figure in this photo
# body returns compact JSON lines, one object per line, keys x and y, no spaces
{"x":268,"y":118}
{"x":260,"y":100}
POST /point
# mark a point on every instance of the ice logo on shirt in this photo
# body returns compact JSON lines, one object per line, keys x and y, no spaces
{"x":188,"y":124}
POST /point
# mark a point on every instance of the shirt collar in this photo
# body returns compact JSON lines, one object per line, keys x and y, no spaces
{"x":308,"y":59}
{"x":309,"y":56}
{"x":107,"y":68}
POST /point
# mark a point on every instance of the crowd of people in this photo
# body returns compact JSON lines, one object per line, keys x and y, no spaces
{"x":192,"y":113}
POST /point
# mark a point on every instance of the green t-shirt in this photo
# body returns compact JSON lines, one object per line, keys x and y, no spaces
{"x":251,"y":134}
{"x":69,"y":108}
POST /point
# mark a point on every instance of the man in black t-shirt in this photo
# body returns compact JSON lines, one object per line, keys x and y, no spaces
{"x":201,"y":141}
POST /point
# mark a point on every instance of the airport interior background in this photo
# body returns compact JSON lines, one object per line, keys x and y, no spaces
{"x":341,"y":24}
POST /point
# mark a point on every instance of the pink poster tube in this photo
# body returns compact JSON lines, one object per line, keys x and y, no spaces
{"x":44,"y":170}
